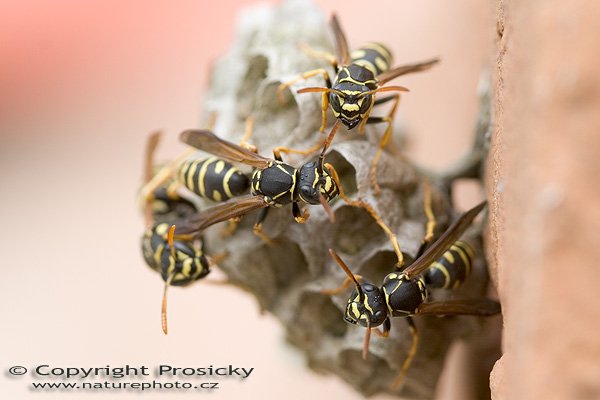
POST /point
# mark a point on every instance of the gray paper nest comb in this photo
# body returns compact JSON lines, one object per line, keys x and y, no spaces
{"x":287,"y":277}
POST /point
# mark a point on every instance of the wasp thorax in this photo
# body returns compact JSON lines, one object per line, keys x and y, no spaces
{"x":404,"y":294}
{"x":276,"y":183}
{"x":311,"y":182}
{"x":368,"y":306}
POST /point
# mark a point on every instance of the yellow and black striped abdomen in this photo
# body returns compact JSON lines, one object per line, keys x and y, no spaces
{"x":373,"y":56}
{"x":213,"y":179}
{"x":189,"y":263}
{"x":452,"y":268}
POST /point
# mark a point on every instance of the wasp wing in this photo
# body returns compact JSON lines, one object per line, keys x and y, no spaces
{"x":341,"y":45}
{"x":151,"y":145}
{"x":207,"y":141}
{"x":233,"y":208}
{"x":439,"y":247}
{"x":405,"y":69}
{"x":483,"y":307}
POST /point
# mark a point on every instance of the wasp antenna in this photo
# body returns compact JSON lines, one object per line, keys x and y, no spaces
{"x":328,"y":141}
{"x":326,"y":206}
{"x":170,"y":240}
{"x":320,"y":90}
{"x":343,"y":265}
{"x":365,"y":352}
{"x":163,"y":311}
{"x":314,"y":90}
{"x":170,"y":236}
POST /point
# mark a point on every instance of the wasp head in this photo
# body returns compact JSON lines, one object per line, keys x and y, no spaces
{"x":350,"y":106}
{"x":313,"y":182}
{"x":369,"y":305}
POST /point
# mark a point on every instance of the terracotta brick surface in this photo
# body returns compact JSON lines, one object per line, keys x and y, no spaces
{"x":543,"y":185}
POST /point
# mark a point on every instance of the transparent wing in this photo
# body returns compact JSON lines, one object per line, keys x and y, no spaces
{"x":452,"y":234}
{"x":207,"y":141}
{"x":341,"y":45}
{"x":405,"y":69}
{"x":483,"y":307}
{"x":235,"y":207}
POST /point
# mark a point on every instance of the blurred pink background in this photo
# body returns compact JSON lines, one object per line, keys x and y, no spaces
{"x":81,"y":85}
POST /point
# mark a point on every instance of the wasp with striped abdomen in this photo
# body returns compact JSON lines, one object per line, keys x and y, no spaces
{"x":179,"y":262}
{"x":452,"y":268}
{"x":273,"y":183}
{"x":159,"y":198}
{"x":403,"y":292}
{"x":216,"y":179}
{"x":360,"y":75}
{"x":213,"y":179}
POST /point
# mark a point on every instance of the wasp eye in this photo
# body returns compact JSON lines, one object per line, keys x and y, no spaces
{"x":309,"y":194}
{"x":336,"y":100}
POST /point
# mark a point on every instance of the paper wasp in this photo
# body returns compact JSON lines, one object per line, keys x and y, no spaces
{"x":273,"y":184}
{"x":216,"y":179}
{"x":179,"y":262}
{"x":360,"y":75}
{"x":404,"y":291}
{"x":159,"y":198}
{"x":210,"y":178}
{"x":213,"y":178}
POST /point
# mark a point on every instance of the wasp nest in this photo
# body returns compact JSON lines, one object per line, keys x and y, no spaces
{"x":287,"y":277}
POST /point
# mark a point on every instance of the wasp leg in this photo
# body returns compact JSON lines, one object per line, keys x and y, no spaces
{"x":409,"y":357}
{"x":281,"y":149}
{"x":231,"y":227}
{"x":365,"y":120}
{"x":145,"y":200}
{"x":257,"y":229}
{"x":300,"y":216}
{"x":431,"y":221}
{"x":381,"y":100}
{"x":384,"y":99}
{"x":384,"y":139}
{"x":153,"y":182}
{"x":342,"y":287}
{"x":247,"y":134}
{"x":220,"y":282}
{"x":215,"y":259}
{"x":367,"y":207}
{"x":212,"y":120}
{"x":327,"y":56}
{"x":306,"y":75}
{"x":324,"y":96}
{"x":163,"y":174}
{"x":387,"y":325}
